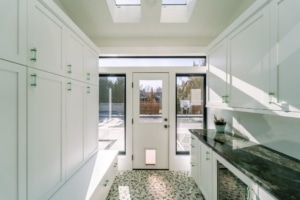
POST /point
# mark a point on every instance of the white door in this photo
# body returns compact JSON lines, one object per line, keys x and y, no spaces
{"x":150,"y":121}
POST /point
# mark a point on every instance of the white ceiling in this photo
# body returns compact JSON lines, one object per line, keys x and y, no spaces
{"x":208,"y":20}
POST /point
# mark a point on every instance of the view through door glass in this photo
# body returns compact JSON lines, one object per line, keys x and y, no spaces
{"x":150,"y":100}
{"x":112,"y":112}
{"x":190,"y":108}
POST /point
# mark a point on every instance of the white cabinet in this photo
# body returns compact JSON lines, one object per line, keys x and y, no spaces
{"x":91,"y":65}
{"x":195,"y":151}
{"x":13,"y":32}
{"x":285,"y":53}
{"x":74,"y":65}
{"x":12,"y":131}
{"x":249,"y":62}
{"x":45,"y":133}
{"x":74,"y":143}
{"x":206,"y":173}
{"x":217,"y":75}
{"x":45,"y":39}
{"x":91,"y":120}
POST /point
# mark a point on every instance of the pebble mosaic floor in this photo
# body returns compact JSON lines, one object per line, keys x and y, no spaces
{"x":154,"y":185}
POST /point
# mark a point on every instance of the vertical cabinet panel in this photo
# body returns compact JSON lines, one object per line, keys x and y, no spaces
{"x":45,"y":131}
{"x":12,"y":131}
{"x":91,"y":121}
{"x":13,"y":30}
{"x":195,"y":158}
{"x":75,"y":93}
{"x":45,"y":39}
{"x":249,"y":57}
{"x":74,"y":56}
{"x":285,"y":46}
{"x":217,"y":75}
{"x":91,"y":66}
{"x":206,"y":184}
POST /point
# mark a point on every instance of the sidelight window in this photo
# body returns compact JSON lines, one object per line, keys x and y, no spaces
{"x":112,"y":112}
{"x":190,"y":108}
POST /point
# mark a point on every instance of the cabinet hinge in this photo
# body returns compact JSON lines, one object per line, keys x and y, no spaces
{"x":132,"y":84}
{"x":132,"y":157}
{"x":132,"y":121}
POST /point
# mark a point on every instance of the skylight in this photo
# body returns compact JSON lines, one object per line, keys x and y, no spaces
{"x":128,"y":2}
{"x":174,"y":2}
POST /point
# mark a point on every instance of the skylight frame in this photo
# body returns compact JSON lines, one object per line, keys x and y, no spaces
{"x":127,"y":2}
{"x":174,"y":2}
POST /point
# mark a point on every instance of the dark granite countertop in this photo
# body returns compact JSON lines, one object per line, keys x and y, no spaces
{"x":277,"y":173}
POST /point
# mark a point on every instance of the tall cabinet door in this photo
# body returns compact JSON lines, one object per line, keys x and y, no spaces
{"x":12,"y":131}
{"x":91,"y":66}
{"x":13,"y":30}
{"x":74,"y":56}
{"x":45,"y":40}
{"x":285,"y":55}
{"x":218,"y":78}
{"x":45,"y":133}
{"x":91,"y":121}
{"x":249,"y":62}
{"x":75,"y":99}
{"x":206,"y":184}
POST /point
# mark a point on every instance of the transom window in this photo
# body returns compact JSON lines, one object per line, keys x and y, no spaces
{"x":128,"y":2}
{"x":174,"y":2}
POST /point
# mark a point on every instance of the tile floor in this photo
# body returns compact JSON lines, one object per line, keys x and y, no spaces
{"x":154,"y":185}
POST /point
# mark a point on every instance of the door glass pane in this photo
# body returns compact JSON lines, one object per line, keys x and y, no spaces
{"x":150,"y":101}
{"x":189,"y":108}
{"x":112,"y":112}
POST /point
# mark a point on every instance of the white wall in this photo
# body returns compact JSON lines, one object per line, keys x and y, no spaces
{"x":277,"y":132}
{"x":176,"y":162}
